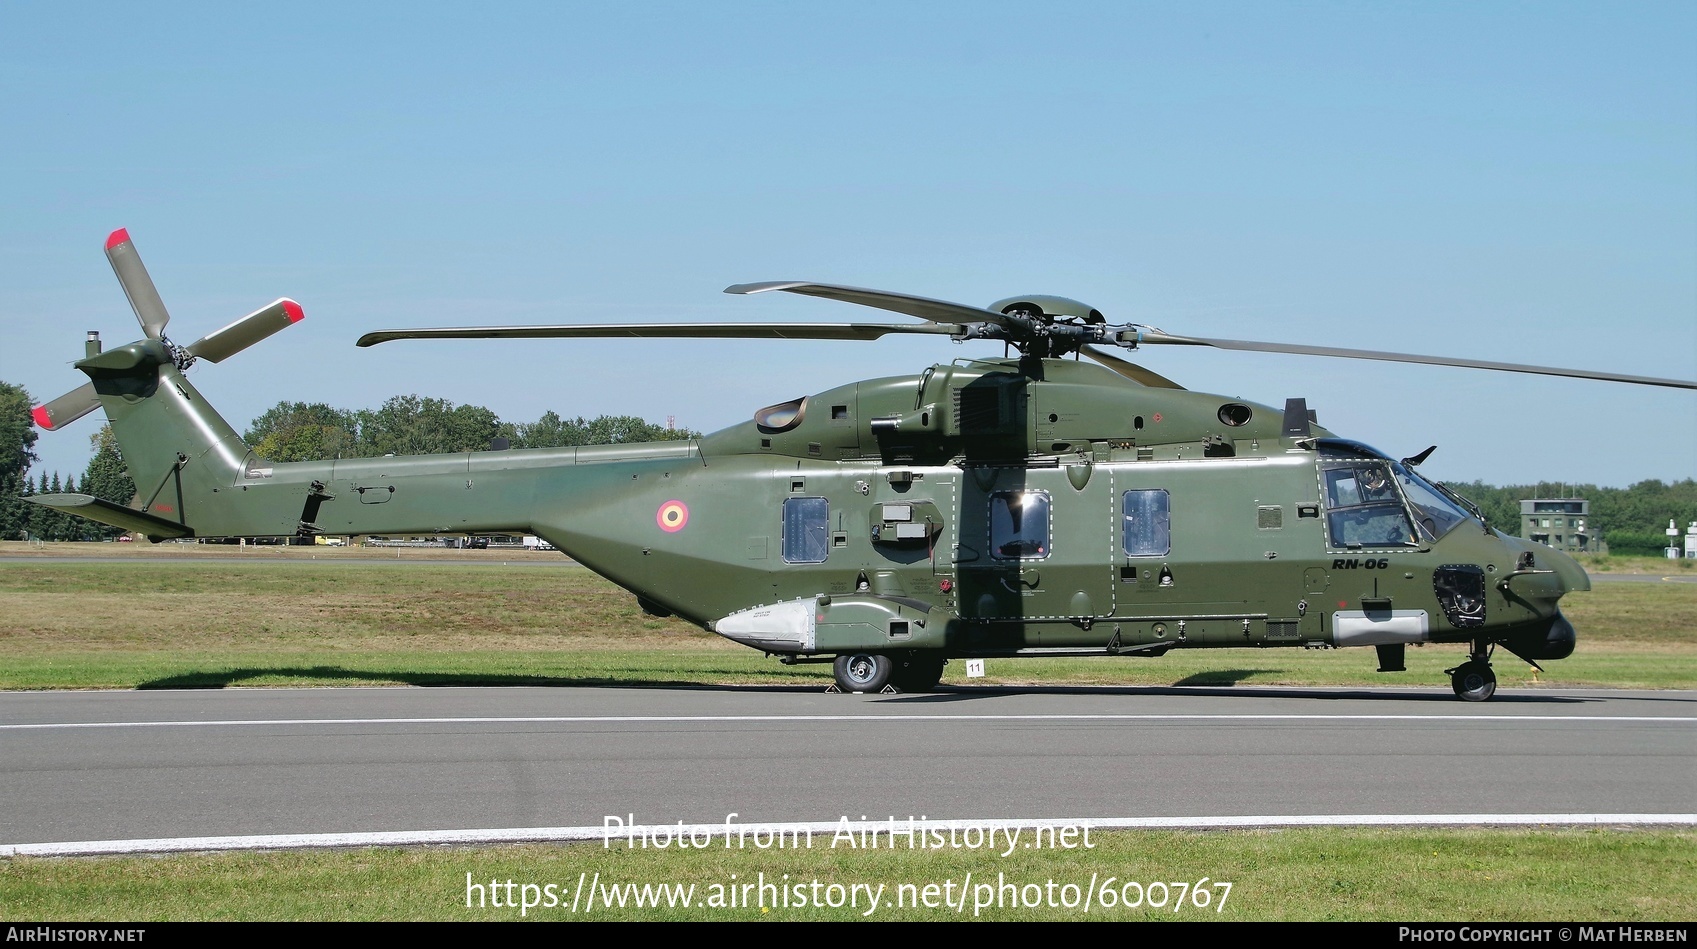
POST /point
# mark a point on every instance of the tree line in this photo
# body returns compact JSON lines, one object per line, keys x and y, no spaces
{"x":413,"y":425}
{"x":1633,"y":520}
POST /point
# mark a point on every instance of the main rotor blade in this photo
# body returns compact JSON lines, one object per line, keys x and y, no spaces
{"x":67,"y":408}
{"x":925,"y":308}
{"x":220,"y":345}
{"x":138,"y":286}
{"x":1258,"y":347}
{"x":854,"y":331}
{"x":1130,"y":370}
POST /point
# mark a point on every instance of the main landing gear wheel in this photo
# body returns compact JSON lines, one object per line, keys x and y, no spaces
{"x":862,"y":672}
{"x":1473,"y":680}
{"x":917,"y":673}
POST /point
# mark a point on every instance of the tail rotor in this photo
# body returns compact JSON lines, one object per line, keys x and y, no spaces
{"x":150,"y":312}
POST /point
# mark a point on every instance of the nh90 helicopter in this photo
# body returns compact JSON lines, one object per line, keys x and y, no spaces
{"x":1021,"y":506}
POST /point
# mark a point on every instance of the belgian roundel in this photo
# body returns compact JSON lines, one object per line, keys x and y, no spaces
{"x":672,"y":516}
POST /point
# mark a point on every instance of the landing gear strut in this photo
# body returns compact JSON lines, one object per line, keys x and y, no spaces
{"x":1473,"y":680}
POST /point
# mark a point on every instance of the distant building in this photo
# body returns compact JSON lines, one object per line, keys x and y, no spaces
{"x":1562,"y":523}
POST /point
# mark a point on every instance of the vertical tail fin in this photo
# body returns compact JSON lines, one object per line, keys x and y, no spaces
{"x":180,"y":452}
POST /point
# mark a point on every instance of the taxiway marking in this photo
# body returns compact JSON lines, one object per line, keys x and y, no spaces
{"x":577,"y":834}
{"x":761,"y":719}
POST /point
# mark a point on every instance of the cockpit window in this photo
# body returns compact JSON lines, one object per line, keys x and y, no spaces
{"x":1363,"y":508}
{"x":781,"y":417}
{"x":1434,"y":513}
{"x":1369,"y":499}
{"x":1359,"y":484}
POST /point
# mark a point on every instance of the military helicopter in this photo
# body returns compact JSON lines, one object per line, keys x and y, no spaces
{"x":1027,"y":505}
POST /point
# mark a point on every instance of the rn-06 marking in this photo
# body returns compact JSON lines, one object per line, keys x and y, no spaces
{"x":1352,"y":563}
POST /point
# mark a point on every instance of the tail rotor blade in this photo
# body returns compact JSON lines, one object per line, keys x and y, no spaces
{"x":138,"y":286}
{"x":67,"y":408}
{"x":220,"y":345}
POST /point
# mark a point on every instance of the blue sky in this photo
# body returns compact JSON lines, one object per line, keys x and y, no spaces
{"x":1504,"y":181}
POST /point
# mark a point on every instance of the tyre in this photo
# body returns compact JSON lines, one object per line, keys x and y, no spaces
{"x":862,"y":672}
{"x":918,"y":672}
{"x":1474,"y":681}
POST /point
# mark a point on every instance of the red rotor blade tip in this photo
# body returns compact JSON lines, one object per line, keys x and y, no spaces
{"x":42,"y":418}
{"x":294,"y":311}
{"x":117,"y":237}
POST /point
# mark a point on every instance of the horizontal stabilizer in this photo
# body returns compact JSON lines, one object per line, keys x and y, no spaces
{"x":116,"y":515}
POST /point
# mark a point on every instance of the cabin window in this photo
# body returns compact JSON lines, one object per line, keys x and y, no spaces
{"x":1019,"y":525}
{"x":805,"y":527}
{"x":1145,"y":528}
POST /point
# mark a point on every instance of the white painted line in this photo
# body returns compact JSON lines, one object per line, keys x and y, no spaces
{"x":725,"y":719}
{"x":716,"y":832}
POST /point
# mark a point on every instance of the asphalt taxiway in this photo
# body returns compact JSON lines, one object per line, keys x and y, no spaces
{"x":102,"y":766}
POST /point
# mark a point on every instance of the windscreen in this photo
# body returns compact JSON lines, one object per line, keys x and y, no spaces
{"x":1369,"y":500}
{"x":1434,"y":512}
{"x":1363,"y":508}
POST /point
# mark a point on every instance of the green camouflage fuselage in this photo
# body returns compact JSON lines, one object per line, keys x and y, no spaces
{"x":978,"y":509}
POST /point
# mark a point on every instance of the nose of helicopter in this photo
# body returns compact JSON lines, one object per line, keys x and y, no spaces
{"x":1569,"y":574}
{"x":1561,"y":637}
{"x":1544,"y":572}
{"x":1542,"y":576}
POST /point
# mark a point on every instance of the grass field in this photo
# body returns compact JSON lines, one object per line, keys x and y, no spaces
{"x":167,"y":622}
{"x":173,"y":623}
{"x":1591,"y":875}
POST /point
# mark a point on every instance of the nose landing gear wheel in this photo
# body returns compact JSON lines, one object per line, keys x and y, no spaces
{"x":862,"y":672}
{"x":1473,"y":681}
